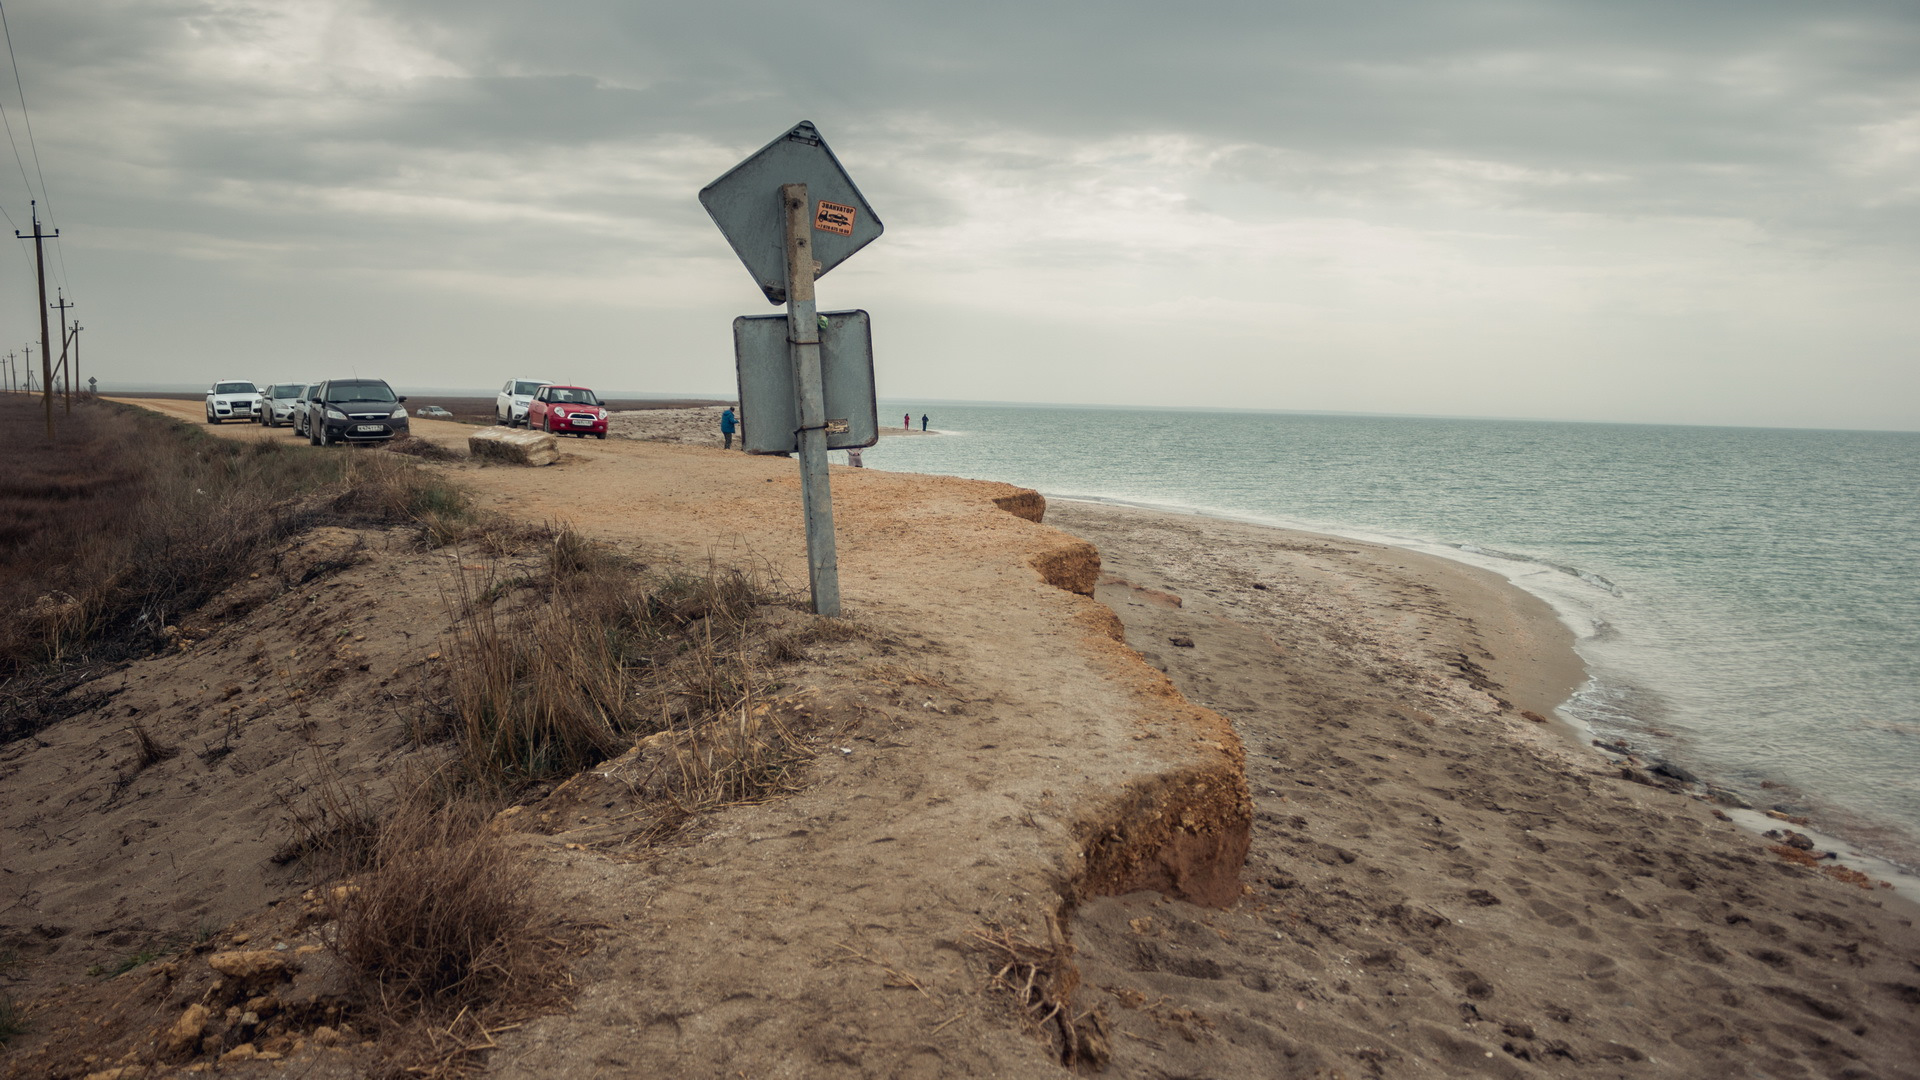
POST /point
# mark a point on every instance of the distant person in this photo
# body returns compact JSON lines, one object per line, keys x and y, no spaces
{"x":727,"y":424}
{"x":923,"y":423}
{"x":906,"y":421}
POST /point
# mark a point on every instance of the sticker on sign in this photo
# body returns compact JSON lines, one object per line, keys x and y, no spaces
{"x":834,"y":217}
{"x":745,"y":204}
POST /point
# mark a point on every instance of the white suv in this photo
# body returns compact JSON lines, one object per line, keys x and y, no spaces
{"x":510,"y":405}
{"x":233,"y":399}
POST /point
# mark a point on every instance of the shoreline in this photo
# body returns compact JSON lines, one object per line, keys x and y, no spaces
{"x":1437,"y":882}
{"x":1750,"y":807}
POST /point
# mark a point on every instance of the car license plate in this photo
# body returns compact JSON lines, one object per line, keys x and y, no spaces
{"x":369,"y":427}
{"x":583,"y":421}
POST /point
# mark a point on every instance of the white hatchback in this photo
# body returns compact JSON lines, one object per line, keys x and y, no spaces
{"x":234,"y":399}
{"x":510,"y":404}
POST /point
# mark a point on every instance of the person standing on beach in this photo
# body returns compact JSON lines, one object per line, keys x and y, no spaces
{"x":923,"y":423}
{"x":906,"y":421}
{"x":727,"y":424}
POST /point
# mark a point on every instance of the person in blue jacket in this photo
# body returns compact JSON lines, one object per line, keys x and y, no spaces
{"x":727,"y":424}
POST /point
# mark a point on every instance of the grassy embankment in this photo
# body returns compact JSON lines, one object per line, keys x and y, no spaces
{"x":124,"y":522}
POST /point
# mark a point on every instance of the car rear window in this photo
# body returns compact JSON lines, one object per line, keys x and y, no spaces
{"x":360,"y":391}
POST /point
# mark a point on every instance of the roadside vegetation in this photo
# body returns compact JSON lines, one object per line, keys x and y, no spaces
{"x":124,"y":520}
{"x":563,"y":654}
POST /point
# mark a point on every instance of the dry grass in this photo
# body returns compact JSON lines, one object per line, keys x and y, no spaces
{"x":595,"y":654}
{"x":126,"y":520}
{"x":446,"y":937}
{"x":337,"y":823}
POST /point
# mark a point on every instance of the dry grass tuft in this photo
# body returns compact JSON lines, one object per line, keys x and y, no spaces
{"x":337,"y":823}
{"x":600,"y":654}
{"x":146,"y":750}
{"x":746,"y":756}
{"x":446,"y":937}
{"x":444,"y":915}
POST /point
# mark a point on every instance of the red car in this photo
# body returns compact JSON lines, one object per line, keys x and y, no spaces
{"x":567,"y":410}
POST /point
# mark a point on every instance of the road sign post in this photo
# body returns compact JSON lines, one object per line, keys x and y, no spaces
{"x":803,"y":343}
{"x":792,"y":214}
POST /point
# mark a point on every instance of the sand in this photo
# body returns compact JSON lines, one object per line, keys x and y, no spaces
{"x":1433,"y":884}
{"x":1438,"y":886}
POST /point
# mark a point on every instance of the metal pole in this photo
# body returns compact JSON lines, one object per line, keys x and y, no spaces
{"x":76,"y":351}
{"x":803,"y":337}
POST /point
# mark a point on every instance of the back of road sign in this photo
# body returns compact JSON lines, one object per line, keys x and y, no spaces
{"x":745,"y":204}
{"x":769,"y":413}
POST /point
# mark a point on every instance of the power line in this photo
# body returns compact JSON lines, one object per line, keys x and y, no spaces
{"x":45,"y":195}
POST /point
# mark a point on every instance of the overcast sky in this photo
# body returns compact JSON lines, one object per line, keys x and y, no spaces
{"x":1602,"y":210}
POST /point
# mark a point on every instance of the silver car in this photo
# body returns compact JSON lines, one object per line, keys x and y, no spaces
{"x":302,"y":405}
{"x":276,"y":403}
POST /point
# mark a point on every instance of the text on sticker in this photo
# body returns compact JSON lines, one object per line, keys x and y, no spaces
{"x":834,"y":217}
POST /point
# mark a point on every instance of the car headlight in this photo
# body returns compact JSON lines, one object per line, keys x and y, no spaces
{"x":336,"y":414}
{"x":399,"y":413}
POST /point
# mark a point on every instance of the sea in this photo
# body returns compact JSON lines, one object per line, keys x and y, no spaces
{"x":1746,"y":600}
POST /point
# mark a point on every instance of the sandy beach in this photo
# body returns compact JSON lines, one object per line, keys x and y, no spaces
{"x":1311,"y":819}
{"x":1439,"y":886}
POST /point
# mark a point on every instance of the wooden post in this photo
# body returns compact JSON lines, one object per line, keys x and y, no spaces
{"x":803,"y":337}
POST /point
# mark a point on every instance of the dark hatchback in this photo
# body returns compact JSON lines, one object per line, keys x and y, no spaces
{"x":355,"y":410}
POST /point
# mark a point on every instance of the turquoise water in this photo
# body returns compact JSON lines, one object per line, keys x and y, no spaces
{"x":1747,"y":600}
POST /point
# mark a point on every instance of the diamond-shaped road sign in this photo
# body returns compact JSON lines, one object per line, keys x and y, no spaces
{"x":745,"y":203}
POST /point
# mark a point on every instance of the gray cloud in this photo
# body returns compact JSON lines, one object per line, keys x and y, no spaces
{"x":461,"y":143}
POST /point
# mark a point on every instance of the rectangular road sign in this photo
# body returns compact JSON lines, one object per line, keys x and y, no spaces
{"x":769,"y":412}
{"x":745,"y":204}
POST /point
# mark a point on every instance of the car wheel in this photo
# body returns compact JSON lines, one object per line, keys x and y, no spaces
{"x":599,"y":434}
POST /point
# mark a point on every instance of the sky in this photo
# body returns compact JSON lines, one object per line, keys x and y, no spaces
{"x":1610,"y":210}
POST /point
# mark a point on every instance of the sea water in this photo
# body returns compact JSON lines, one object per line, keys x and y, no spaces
{"x":1747,"y":601}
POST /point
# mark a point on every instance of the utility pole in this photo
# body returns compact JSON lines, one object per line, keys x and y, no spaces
{"x":76,"y":351}
{"x":29,"y":349}
{"x":46,"y":336}
{"x":10,"y":371}
{"x":66,"y":382}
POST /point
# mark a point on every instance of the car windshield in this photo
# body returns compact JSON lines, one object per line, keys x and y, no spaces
{"x":308,"y":392}
{"x":525,"y":388}
{"x":360,"y":391}
{"x":234,"y":388}
{"x":286,"y":391}
{"x":572,"y":395}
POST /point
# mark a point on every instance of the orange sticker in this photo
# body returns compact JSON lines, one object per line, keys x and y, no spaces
{"x":834,"y":218}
